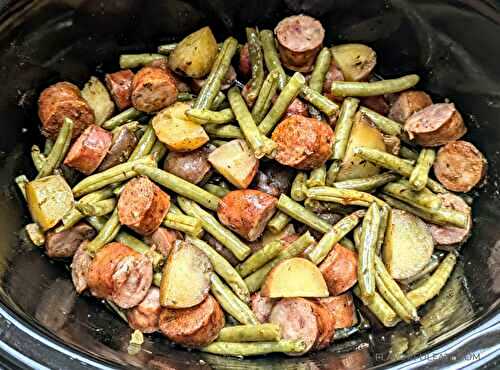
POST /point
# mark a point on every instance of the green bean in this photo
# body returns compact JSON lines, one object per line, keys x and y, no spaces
{"x":59,"y":150}
{"x":121,"y":118}
{"x":230,"y":302}
{"x":385,"y":213}
{"x":379,"y":308}
{"x":21,"y":182}
{"x":216,"y":190}
{"x":252,"y":88}
{"x":255,"y":349}
{"x":139,"y":60}
{"x":223,"y":131}
{"x":420,"y":174}
{"x":343,"y":196}
{"x":366,"y":184}
{"x":158,"y":151}
{"x":224,"y":269}
{"x":317,"y":177}
{"x":255,"y":280}
{"x":384,"y":124}
{"x":318,"y":100}
{"x":347,"y":243}
{"x":421,"y":199}
{"x":214,"y":228}
{"x":260,"y":258}
{"x":100,"y":208}
{"x":183,"y":223}
{"x":219,"y":102}
{"x":343,"y":88}
{"x":321,"y":66}
{"x":144,"y":145}
{"x":179,"y":186}
{"x":185,"y":96}
{"x":107,"y":233}
{"x":299,"y":187}
{"x":366,"y":251}
{"x":332,"y":172}
{"x":49,"y":144}
{"x":338,"y":231}
{"x":113,"y":175}
{"x":250,"y":333}
{"x":328,"y":207}
{"x":443,"y":216}
{"x":265,"y":98}
{"x":271,"y":57}
{"x":278,"y":222}
{"x":391,"y":300}
{"x":435,"y":283}
{"x":97,"y":196}
{"x":299,"y":213}
{"x":285,"y":98}
{"x":343,"y":127}
{"x":35,"y":234}
{"x":132,"y":126}
{"x":408,"y":153}
{"x":37,"y":157}
{"x":357,"y":236}
{"x":214,"y":80}
{"x":166,"y":48}
{"x":203,"y":116}
{"x":247,"y":125}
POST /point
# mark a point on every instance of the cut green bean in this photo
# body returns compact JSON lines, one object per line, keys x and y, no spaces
{"x":21,"y":182}
{"x":250,"y":333}
{"x":299,"y":213}
{"x":333,"y":171}
{"x":278,"y":222}
{"x":224,"y":131}
{"x":35,"y":234}
{"x":299,"y":187}
{"x":318,"y":100}
{"x":420,"y":174}
{"x":321,"y":66}
{"x":166,"y":48}
{"x":343,"y":127}
{"x":132,"y":126}
{"x":422,"y":199}
{"x":347,"y":243}
{"x":100,"y":208}
{"x":271,"y":56}
{"x":183,"y":223}
{"x":139,"y":60}
{"x":144,"y":145}
{"x":366,"y":184}
{"x":408,"y":153}
{"x":185,"y":96}
{"x":327,"y":207}
{"x":252,"y":88}
{"x":158,"y":151}
{"x":216,"y":190}
{"x":107,"y":233}
{"x":366,"y":252}
{"x":260,"y":258}
{"x":379,"y":308}
{"x":203,"y":116}
{"x":49,"y":144}
{"x":219,"y":102}
{"x":391,"y":299}
{"x":265,"y":98}
{"x":384,"y":124}
{"x":343,"y":88}
{"x":130,"y":114}
{"x":343,"y":196}
{"x":385,"y":213}
{"x":37,"y":157}
{"x":255,"y":349}
{"x":317,"y":177}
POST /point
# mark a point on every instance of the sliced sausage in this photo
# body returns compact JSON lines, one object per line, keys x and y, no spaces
{"x":196,"y":326}
{"x":163,"y":239}
{"x":246,"y":212}
{"x":142,"y":205}
{"x":339,"y":269}
{"x":326,"y":324}
{"x":303,"y":143}
{"x":120,"y":86}
{"x":459,"y":166}
{"x":376,"y":103}
{"x":153,"y":89}
{"x":261,"y":306}
{"x":80,"y":268}
{"x":163,"y":64}
{"x":89,"y":150}
{"x":334,"y":74}
{"x":297,"y":320}
{"x":300,"y":38}
{"x":63,"y":100}
{"x":65,"y":243}
{"x":273,"y":179}
{"x":297,"y":107}
{"x":227,"y":82}
{"x":119,"y":273}
{"x":342,"y":308}
{"x":407,"y":103}
{"x":435,"y":125}
{"x":191,"y":166}
{"x":124,"y":143}
{"x":449,"y":237}
{"x":245,"y":66}
{"x":146,"y":315}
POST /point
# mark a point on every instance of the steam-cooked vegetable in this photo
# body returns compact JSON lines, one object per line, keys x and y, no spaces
{"x":97,"y":97}
{"x":356,"y":61}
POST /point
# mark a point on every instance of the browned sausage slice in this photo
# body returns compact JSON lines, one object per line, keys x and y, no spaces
{"x":89,"y":150}
{"x":326,"y":323}
{"x":195,"y":326}
{"x":435,"y":125}
{"x":297,"y":320}
{"x":120,"y":86}
{"x":300,"y":38}
{"x":80,"y":268}
{"x":340,"y":269}
{"x":191,"y":166}
{"x":146,"y":315}
{"x":153,"y":89}
{"x":124,"y":143}
{"x":407,"y":103}
{"x":65,"y":243}
{"x":342,"y":308}
{"x":261,"y":306}
{"x":246,"y":212}
{"x":163,"y":64}
{"x":163,"y":239}
{"x":459,"y":166}
{"x":63,"y":100}
{"x":449,"y":237}
{"x":142,"y":205}
{"x":376,"y":103}
{"x":303,"y":143}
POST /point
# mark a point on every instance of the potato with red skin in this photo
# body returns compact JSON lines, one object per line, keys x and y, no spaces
{"x":247,"y":212}
{"x":303,"y":143}
{"x":163,"y":240}
{"x":407,"y":103}
{"x":120,"y":87}
{"x":334,"y":74}
{"x":342,"y":308}
{"x":89,"y":150}
{"x":459,"y":166}
{"x":79,"y":268}
{"x":153,"y":89}
{"x":63,"y":100}
{"x":261,"y":306}
{"x":339,"y":269}
{"x":146,"y":315}
{"x":124,"y":143}
{"x":65,"y":243}
{"x":376,"y":103}
{"x":142,"y":205}
{"x":191,"y":166}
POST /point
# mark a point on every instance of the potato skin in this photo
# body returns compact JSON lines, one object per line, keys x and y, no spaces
{"x":65,"y":243}
{"x":356,"y":61}
{"x":153,"y":89}
{"x":191,"y":166}
{"x":121,"y":148}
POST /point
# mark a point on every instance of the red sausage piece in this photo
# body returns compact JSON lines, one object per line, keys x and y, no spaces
{"x":153,"y":89}
{"x":163,"y":239}
{"x":146,"y":315}
{"x":339,"y":269}
{"x":407,"y":103}
{"x":80,"y":268}
{"x":342,"y":309}
{"x":120,"y":86}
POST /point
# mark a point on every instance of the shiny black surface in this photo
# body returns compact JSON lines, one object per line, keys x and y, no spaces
{"x":453,"y":45}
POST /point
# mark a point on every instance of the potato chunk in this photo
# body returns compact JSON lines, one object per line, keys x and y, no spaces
{"x":356,"y":61}
{"x":97,"y":97}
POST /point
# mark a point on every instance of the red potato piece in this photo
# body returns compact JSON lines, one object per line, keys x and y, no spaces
{"x":377,"y":104}
{"x":303,"y":143}
{"x":195,"y":326}
{"x":65,"y":243}
{"x":80,"y":267}
{"x":89,"y":150}
{"x":342,"y":309}
{"x":121,"y":148}
{"x":449,"y":237}
{"x":340,"y":269}
{"x":63,"y":100}
{"x":297,"y":320}
{"x":459,"y":166}
{"x":142,"y":205}
{"x":246,"y":212}
{"x":191,"y":166}
{"x":153,"y":89}
{"x":435,"y":125}
{"x":120,"y":86}
{"x":326,"y":323}
{"x":300,"y":38}
{"x":163,"y":239}
{"x":261,"y":307}
{"x":245,"y":66}
{"x":407,"y":103}
{"x":146,"y":315}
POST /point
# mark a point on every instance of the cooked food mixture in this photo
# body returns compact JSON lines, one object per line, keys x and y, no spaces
{"x":253,"y":196}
